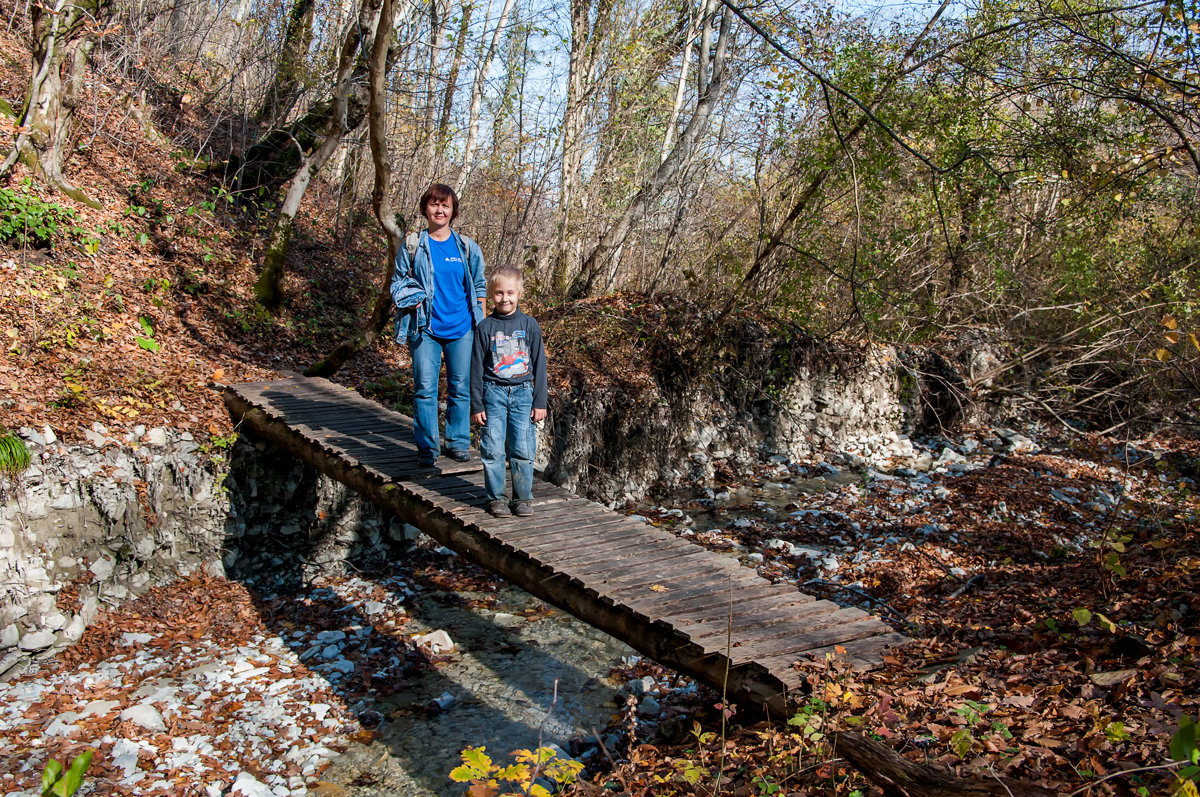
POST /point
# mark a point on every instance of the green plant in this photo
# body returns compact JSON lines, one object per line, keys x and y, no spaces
{"x":1185,"y":748}
{"x":484,"y":776}
{"x":14,"y":456}
{"x":26,"y":219}
{"x":147,"y":341}
{"x":63,"y":784}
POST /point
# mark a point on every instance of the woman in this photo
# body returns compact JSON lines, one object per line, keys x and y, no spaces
{"x":439,"y":287}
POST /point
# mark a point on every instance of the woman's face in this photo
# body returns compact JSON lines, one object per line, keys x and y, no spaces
{"x":439,"y":212}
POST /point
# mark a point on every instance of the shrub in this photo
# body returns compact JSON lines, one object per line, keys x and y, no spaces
{"x":26,"y":219}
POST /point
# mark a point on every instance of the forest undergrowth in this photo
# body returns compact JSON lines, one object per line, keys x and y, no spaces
{"x":1068,"y":659}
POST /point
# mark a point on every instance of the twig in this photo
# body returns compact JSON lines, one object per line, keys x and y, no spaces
{"x":724,"y":685}
{"x":894,"y":616}
{"x":972,"y":581}
{"x":1094,"y":783}
{"x":541,"y":728}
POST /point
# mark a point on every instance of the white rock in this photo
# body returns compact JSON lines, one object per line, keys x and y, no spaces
{"x":67,"y":500}
{"x":37,"y":640}
{"x":55,"y":622}
{"x":61,"y":725}
{"x":155,"y":437}
{"x":372,"y":608}
{"x":9,"y":635}
{"x":129,"y":638}
{"x":329,"y":637}
{"x":48,"y":433}
{"x":102,"y":568}
{"x":145,"y":716}
{"x":649,"y":707}
{"x":249,"y":786}
{"x":124,"y":756}
{"x":98,"y":708}
{"x":74,"y":630}
{"x":437,"y":641}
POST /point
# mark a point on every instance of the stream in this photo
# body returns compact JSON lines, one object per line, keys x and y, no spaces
{"x":497,"y":686}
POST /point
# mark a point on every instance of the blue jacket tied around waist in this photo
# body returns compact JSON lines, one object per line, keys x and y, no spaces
{"x":413,"y":285}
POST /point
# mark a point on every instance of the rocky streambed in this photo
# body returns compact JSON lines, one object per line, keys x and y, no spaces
{"x":290,"y":681}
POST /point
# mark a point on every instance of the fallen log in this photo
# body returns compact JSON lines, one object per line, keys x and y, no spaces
{"x":893,"y":772}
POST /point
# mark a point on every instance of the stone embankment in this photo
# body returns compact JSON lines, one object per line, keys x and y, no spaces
{"x":89,"y":524}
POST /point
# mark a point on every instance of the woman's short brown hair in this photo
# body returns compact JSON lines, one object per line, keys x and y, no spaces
{"x":440,"y":192}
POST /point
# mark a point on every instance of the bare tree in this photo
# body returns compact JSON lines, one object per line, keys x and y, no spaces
{"x":63,"y":39}
{"x":380,"y":199}
{"x":600,"y":267}
{"x":477,"y":86}
{"x":590,"y":26}
{"x":269,"y":287}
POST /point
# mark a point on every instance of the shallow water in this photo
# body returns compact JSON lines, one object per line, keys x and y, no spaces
{"x":501,"y":678}
{"x":501,"y":675}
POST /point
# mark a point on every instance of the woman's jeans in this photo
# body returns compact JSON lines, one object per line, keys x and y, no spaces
{"x":508,"y":436}
{"x":427,"y":354}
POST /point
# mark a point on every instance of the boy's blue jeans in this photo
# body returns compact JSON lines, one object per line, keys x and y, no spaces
{"x":427,"y":353}
{"x":508,"y":437}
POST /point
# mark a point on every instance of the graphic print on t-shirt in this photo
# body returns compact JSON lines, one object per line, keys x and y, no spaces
{"x":510,"y":354}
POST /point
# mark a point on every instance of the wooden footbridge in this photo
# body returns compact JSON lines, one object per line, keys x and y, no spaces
{"x":689,"y":608}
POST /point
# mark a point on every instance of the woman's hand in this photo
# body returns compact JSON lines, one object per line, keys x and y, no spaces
{"x":537,"y":415}
{"x":479,"y":418}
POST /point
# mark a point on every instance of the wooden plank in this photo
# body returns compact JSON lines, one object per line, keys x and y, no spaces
{"x":540,"y":528}
{"x":722,"y":610}
{"x":615,"y":548}
{"x":707,"y":573}
{"x":865,"y":653}
{"x":589,"y":519}
{"x":587,"y":569}
{"x":686,"y":601}
{"x":748,"y":599}
{"x":607,"y":535}
{"x":606,"y":561}
{"x":834,"y":634}
{"x":765,"y":625}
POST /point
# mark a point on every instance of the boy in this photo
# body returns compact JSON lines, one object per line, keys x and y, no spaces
{"x":508,"y":393}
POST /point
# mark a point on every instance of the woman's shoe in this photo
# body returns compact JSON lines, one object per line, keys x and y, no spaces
{"x":499,"y":509}
{"x":458,"y":455}
{"x":426,"y":459}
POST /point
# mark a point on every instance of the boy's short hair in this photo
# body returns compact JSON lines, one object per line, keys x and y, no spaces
{"x":440,"y":192}
{"x":506,"y":272}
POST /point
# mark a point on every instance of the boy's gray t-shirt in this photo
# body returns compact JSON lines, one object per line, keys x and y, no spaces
{"x":508,"y":351}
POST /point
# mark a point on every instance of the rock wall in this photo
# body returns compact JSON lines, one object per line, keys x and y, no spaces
{"x":793,"y":402}
{"x":87,"y":526}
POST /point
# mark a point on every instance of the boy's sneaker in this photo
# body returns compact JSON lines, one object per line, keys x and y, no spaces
{"x":522,"y":508}
{"x":499,"y":509}
{"x":426,"y":459}
{"x":457,"y":454}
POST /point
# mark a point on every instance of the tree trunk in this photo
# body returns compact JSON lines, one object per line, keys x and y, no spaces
{"x":600,"y":267}
{"x":289,"y":72}
{"x":586,"y":38}
{"x":443,"y":128}
{"x":894,"y":773}
{"x":380,"y":197}
{"x":269,"y":287}
{"x":278,"y":156}
{"x":485,"y":65}
{"x":62,"y":44}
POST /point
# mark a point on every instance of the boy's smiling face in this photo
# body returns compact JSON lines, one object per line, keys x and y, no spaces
{"x":505,"y":293}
